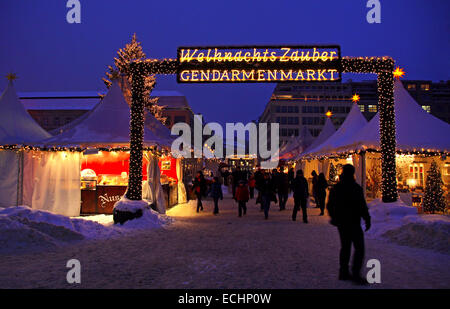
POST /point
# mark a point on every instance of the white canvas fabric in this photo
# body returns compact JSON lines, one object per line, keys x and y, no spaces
{"x":182,"y":196}
{"x":9,"y":178}
{"x":152,"y":190}
{"x":52,"y":181}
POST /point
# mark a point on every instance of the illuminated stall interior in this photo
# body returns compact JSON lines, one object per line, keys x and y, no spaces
{"x":102,"y":139}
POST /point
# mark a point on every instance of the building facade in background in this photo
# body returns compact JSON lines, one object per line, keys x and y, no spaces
{"x":295,"y":105}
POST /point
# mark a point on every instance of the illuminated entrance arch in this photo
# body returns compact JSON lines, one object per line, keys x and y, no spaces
{"x":245,"y":64}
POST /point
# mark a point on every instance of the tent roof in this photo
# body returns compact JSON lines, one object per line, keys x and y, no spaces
{"x":297,"y":145}
{"x":108,"y":125}
{"x":354,"y":122}
{"x":16,"y":125}
{"x":327,"y":131}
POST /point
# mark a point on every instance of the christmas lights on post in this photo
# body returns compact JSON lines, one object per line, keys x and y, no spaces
{"x":132,"y":206}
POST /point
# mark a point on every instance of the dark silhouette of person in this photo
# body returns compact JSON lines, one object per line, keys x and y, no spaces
{"x":282,"y":189}
{"x":322,"y":186}
{"x":237,"y":176}
{"x":259,"y":178}
{"x":199,"y":189}
{"x":346,"y":206}
{"x":216,"y":194}
{"x":315,"y":178}
{"x":291,"y":176}
{"x":300,"y":189}
{"x":242,"y":197}
{"x":267,"y":193}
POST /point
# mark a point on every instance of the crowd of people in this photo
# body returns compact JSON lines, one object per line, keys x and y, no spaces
{"x":271,"y":186}
{"x":346,"y":203}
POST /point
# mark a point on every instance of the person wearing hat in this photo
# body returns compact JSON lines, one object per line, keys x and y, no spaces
{"x":346,"y":206}
{"x":242,"y":197}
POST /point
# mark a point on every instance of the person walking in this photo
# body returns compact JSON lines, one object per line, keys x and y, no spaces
{"x":315,"y":178}
{"x":267,"y":194}
{"x":242,"y":197}
{"x":251,"y":186}
{"x":199,"y":189}
{"x":322,"y":186}
{"x":300,"y":190}
{"x":216,"y":194}
{"x":346,"y":206}
{"x":282,"y":189}
{"x":237,"y":176}
{"x":291,"y":176}
{"x":259,"y":177}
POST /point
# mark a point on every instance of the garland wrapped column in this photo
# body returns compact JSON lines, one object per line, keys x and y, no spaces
{"x":387,"y":136}
{"x":134,"y":191}
{"x":384,"y":68}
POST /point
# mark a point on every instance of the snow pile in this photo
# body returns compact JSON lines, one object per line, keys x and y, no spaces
{"x":401,"y":224}
{"x":23,"y":229}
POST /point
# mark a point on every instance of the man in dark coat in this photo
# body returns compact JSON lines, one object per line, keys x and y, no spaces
{"x":346,"y":206}
{"x":300,"y":189}
{"x":283,"y":189}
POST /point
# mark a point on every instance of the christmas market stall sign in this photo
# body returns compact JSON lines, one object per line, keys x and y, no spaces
{"x":236,"y":64}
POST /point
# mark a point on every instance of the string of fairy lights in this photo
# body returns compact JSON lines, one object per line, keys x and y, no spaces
{"x":382,"y":66}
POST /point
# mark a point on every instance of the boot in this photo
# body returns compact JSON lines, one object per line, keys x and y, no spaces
{"x":344,"y":274}
{"x":359,"y":280}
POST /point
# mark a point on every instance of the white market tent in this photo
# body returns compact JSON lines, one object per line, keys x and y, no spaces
{"x":17,"y":128}
{"x":416,"y":130}
{"x":108,"y":124}
{"x":16,"y":125}
{"x":297,"y":145}
{"x":50,"y":180}
{"x":327,"y":131}
{"x":352,"y":124}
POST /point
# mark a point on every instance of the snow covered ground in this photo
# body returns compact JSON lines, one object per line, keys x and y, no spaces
{"x":200,"y":250}
{"x":401,"y":224}
{"x":23,"y":229}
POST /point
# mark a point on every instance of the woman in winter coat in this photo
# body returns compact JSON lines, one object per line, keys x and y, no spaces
{"x":199,"y":189}
{"x":242,"y":197}
{"x":216,"y":194}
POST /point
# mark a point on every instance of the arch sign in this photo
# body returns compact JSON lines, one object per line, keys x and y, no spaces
{"x":266,"y":64}
{"x":244,"y":64}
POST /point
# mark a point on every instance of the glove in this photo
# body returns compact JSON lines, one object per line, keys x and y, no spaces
{"x":368,"y":225}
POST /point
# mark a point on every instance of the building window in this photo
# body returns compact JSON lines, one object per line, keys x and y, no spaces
{"x":361,"y":108}
{"x":427,"y":108}
{"x":372,"y":108}
{"x":425,"y":87}
{"x":411,"y":87}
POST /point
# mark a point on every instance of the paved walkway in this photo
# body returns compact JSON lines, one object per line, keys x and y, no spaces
{"x":206,"y":251}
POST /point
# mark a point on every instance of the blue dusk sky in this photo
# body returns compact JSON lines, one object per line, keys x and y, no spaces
{"x":49,"y":54}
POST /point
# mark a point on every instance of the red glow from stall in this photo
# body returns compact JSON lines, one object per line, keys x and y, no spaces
{"x":172,"y":172}
{"x":110,"y":163}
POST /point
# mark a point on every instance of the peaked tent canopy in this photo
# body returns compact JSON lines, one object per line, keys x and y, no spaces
{"x":327,"y":131}
{"x":108,"y":124}
{"x":416,"y":130}
{"x":16,"y":125}
{"x":354,"y":122}
{"x":298,"y":145}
